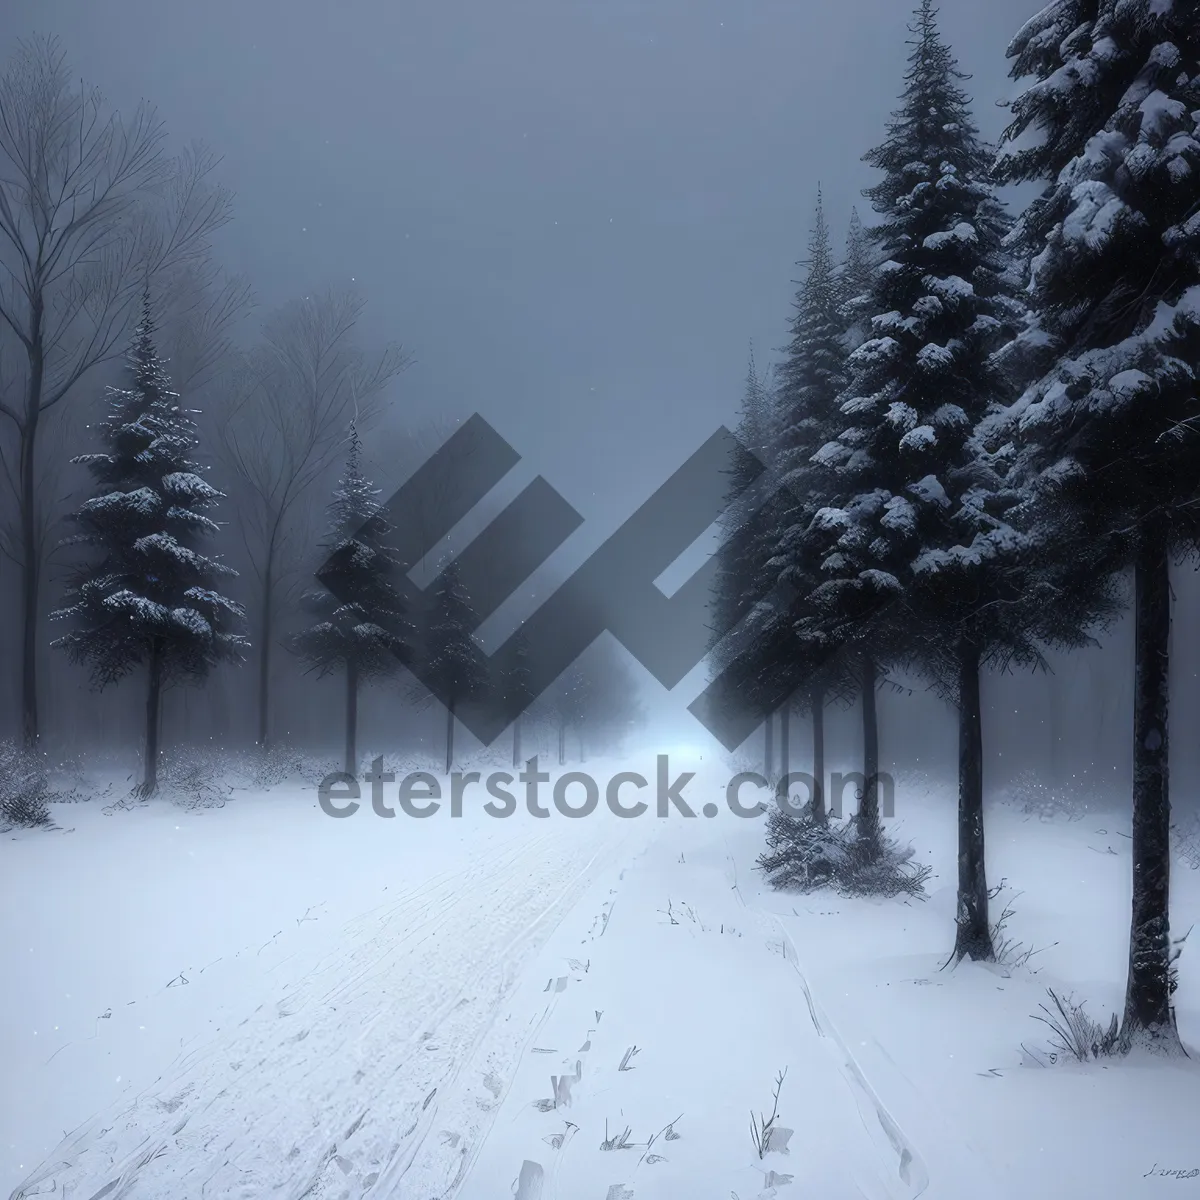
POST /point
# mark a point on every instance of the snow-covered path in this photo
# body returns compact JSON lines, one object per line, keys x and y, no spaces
{"x":674,"y":1024}
{"x":362,"y":1044}
{"x":396,"y":1036}
{"x":263,"y":1002}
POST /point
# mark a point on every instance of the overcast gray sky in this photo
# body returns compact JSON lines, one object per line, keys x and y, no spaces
{"x":575,"y":214}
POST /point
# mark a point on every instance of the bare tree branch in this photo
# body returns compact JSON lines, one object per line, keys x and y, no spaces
{"x":92,"y":210}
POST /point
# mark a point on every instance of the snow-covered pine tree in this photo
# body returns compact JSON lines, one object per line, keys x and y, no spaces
{"x":741,"y":560}
{"x":919,"y":384}
{"x":811,"y":377}
{"x":1109,"y":122}
{"x":854,"y":279}
{"x":738,"y":557}
{"x":454,"y":664}
{"x":361,"y":627}
{"x":512,"y":677}
{"x":144,"y":594}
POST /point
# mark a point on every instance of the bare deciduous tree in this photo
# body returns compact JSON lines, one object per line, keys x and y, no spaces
{"x":198,"y":313}
{"x":92,"y":208}
{"x":286,"y":416}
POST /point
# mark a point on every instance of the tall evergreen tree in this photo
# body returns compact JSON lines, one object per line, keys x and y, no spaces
{"x":455,"y":665}
{"x":919,"y":385}
{"x":513,"y":679}
{"x":854,"y":279}
{"x":361,"y":628}
{"x":1109,"y":122}
{"x":812,"y":376}
{"x":742,"y":559}
{"x":145,"y":594}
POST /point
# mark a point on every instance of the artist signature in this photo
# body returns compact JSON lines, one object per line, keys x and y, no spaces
{"x":1173,"y":1172}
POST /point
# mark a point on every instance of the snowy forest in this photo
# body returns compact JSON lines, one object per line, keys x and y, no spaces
{"x":980,"y":427}
{"x":169,"y":520}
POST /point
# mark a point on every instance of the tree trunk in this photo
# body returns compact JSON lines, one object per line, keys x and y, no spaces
{"x":449,"y":737}
{"x":818,"y":757}
{"x":867,"y":819}
{"x":769,"y":746}
{"x":265,"y":634}
{"x":1149,"y":1019}
{"x":517,"y":742}
{"x":351,"y":765}
{"x":974,"y":937}
{"x":785,"y":738}
{"x":31,"y":556}
{"x":153,"y":720}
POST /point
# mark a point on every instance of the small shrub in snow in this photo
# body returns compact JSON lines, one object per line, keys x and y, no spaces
{"x":801,"y":851}
{"x":195,"y":778}
{"x":803,"y":854}
{"x":1037,"y":798}
{"x":261,"y":769}
{"x":886,"y":870}
{"x":1075,"y":1034}
{"x":265,"y":768}
{"x":24,"y":788}
{"x":312,"y":768}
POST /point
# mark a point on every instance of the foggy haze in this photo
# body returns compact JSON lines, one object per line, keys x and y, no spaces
{"x":576,"y":217}
{"x":237,"y":961}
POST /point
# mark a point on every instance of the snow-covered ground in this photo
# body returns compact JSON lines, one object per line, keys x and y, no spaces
{"x":258,"y":1000}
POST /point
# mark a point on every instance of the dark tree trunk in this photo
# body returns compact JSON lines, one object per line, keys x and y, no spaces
{"x":769,"y":746}
{"x":517,"y":742}
{"x":351,"y":766}
{"x":1149,"y":1019}
{"x":867,"y":820}
{"x":818,"y":757}
{"x":449,"y":737}
{"x":31,"y":556}
{"x":153,"y":720}
{"x":785,"y":738}
{"x":974,"y":937}
{"x":265,"y":633}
